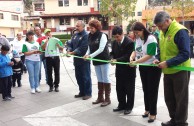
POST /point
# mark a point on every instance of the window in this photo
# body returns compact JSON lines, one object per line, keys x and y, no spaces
{"x":139,"y":13}
{"x":66,"y":2}
{"x":60,"y":2}
{"x":1,"y":15}
{"x":84,"y":19}
{"x":79,"y":2}
{"x":61,"y":21}
{"x":39,"y":7}
{"x":63,"y":3}
{"x":14,"y":17}
{"x":67,"y":21}
{"x":85,"y":3}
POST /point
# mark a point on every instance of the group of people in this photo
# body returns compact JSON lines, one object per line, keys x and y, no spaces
{"x":170,"y":47}
{"x":31,"y":52}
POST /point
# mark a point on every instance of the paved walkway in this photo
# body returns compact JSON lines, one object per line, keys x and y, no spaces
{"x":62,"y":109}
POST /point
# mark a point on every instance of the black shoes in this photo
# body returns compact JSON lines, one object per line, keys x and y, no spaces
{"x":127,"y":111}
{"x":152,"y":119}
{"x":145,"y":115}
{"x":50,"y":89}
{"x":57,"y":89}
{"x":118,"y":109}
{"x":169,"y":123}
{"x":86,"y":97}
{"x":78,"y":95}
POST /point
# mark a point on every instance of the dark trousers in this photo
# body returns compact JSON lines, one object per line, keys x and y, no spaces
{"x":53,"y":63}
{"x":150,"y":78}
{"x":16,"y":77}
{"x":23,"y":61}
{"x":83,"y":77}
{"x":176,"y":96}
{"x":125,"y":88}
{"x":6,"y":86}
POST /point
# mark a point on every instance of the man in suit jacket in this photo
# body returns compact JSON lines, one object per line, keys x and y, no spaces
{"x":122,"y":47}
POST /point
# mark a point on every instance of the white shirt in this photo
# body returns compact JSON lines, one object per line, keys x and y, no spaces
{"x":102,"y":45}
{"x":17,"y":45}
{"x":32,"y":47}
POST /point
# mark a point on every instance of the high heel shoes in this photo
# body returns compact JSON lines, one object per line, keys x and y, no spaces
{"x":146,"y":114}
{"x":152,"y":119}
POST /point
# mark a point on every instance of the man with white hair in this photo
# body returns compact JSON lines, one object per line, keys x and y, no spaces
{"x":78,"y":47}
{"x":17,"y":45}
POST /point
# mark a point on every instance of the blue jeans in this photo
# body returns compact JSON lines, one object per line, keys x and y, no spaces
{"x":83,"y":77}
{"x":102,"y":73}
{"x":33,"y":68}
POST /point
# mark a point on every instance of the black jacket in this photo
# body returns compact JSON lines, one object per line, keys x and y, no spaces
{"x":94,"y":43}
{"x":121,"y":54}
{"x":17,"y":67}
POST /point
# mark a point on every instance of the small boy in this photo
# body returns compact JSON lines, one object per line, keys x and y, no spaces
{"x":5,"y":73}
{"x":17,"y":69}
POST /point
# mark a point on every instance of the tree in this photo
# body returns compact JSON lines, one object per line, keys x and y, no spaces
{"x":181,"y":7}
{"x":28,"y":6}
{"x":130,"y":24}
{"x":117,"y":10}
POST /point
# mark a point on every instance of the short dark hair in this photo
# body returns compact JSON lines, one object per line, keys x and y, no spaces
{"x":5,"y":48}
{"x":117,"y":30}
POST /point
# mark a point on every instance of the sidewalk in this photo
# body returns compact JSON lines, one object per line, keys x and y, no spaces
{"x":62,"y":109}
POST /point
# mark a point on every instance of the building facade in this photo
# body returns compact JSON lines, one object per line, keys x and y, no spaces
{"x":10,"y":17}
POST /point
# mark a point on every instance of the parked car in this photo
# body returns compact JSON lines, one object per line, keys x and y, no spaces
{"x":10,"y":38}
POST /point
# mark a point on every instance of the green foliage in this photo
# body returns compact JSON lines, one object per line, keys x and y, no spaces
{"x":63,"y":36}
{"x":64,"y":41}
{"x":130,"y":24}
{"x":117,"y":9}
{"x":28,"y":6}
{"x":181,"y":8}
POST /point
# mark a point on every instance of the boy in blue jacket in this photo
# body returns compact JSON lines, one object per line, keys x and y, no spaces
{"x":5,"y":73}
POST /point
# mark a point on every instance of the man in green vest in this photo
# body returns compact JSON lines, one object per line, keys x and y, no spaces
{"x":174,"y":51}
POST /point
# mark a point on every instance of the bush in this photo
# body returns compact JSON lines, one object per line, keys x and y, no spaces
{"x":64,"y":36}
{"x":64,"y":41}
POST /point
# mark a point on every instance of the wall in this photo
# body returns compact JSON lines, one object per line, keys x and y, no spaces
{"x":52,"y":7}
{"x":140,"y":6}
{"x":9,"y":32}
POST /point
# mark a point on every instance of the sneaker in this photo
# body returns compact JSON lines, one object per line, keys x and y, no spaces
{"x":33,"y":91}
{"x":38,"y":90}
{"x":7,"y":99}
{"x":12,"y":97}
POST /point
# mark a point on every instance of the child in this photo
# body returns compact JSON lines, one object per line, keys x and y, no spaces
{"x":5,"y":73}
{"x":17,"y":69}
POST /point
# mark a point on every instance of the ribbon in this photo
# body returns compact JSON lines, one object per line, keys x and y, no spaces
{"x":138,"y":64}
{"x":127,"y":63}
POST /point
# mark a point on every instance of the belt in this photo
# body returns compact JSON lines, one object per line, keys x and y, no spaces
{"x":53,"y":57}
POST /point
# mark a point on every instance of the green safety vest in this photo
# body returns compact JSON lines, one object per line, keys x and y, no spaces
{"x":169,"y":49}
